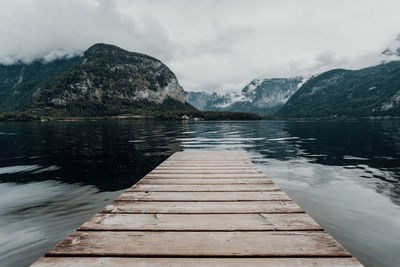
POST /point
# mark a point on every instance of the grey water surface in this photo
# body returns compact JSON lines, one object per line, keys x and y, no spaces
{"x":56,"y":175}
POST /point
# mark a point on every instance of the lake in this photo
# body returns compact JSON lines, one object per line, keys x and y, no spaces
{"x":56,"y":175}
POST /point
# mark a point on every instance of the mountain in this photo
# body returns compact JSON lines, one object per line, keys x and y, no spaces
{"x":373,"y":91}
{"x":210,"y":101}
{"x":110,"y":81}
{"x":266,"y":96}
{"x":20,"y":82}
{"x":105,"y":80}
{"x":260,"y":96}
{"x":394,"y":48}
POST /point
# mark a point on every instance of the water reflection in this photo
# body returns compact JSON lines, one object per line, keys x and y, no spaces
{"x":370,"y":149}
{"x":335,"y":172}
{"x":111,"y":155}
{"x":56,"y":175}
{"x":34,"y":216}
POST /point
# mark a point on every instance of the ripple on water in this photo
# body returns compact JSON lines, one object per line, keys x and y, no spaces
{"x":18,"y":168}
{"x":347,"y":157}
{"x":350,"y":185}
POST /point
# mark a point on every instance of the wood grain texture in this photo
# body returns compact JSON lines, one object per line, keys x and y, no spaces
{"x":204,"y":164}
{"x":203,"y":196}
{"x":283,"y":244}
{"x":225,"y":181}
{"x":205,"y":188}
{"x":209,"y":160}
{"x":177,"y":167}
{"x":203,"y":207}
{"x":205,"y":171}
{"x":201,"y":222}
{"x":196,"y":262}
{"x":204,"y":176}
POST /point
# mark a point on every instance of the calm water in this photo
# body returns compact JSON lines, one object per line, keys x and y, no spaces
{"x":54,"y":176}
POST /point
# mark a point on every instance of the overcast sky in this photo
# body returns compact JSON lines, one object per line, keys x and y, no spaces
{"x":213,"y":45}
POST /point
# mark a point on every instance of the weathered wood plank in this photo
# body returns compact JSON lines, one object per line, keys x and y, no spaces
{"x":201,"y":204}
{"x":209,"y":177}
{"x":204,"y":176}
{"x":197,"y":152}
{"x":208,"y":156}
{"x":204,"y":164}
{"x":203,"y":196}
{"x":205,"y":171}
{"x":205,"y":152}
{"x":204,"y":168}
{"x":208,"y":159}
{"x":211,"y":163}
{"x":205,"y":188}
{"x":201,"y":222}
{"x":111,"y":243}
{"x":195,"y":262}
{"x":205,"y":155}
{"x":211,"y":153}
{"x":195,"y":181}
{"x":203,"y":207}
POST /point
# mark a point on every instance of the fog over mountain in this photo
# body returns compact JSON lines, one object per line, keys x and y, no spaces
{"x":105,"y":80}
{"x":393,"y":50}
{"x":266,"y":96}
{"x":261,"y":96}
{"x":210,"y":45}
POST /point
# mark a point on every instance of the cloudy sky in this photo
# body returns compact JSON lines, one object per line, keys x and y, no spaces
{"x":213,"y":45}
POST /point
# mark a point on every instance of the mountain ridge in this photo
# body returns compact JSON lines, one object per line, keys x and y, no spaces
{"x":372,"y":91}
{"x":105,"y":81}
{"x":20,"y":82}
{"x":111,"y":80}
{"x":260,"y":96}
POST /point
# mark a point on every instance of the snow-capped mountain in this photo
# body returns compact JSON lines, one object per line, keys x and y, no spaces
{"x":261,"y":96}
{"x":210,"y":101}
{"x":393,"y":48}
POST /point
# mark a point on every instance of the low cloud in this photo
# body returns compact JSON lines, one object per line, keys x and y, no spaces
{"x":47,"y":28}
{"x":210,"y":45}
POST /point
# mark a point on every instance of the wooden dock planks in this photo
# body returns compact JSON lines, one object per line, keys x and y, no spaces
{"x":201,"y":209}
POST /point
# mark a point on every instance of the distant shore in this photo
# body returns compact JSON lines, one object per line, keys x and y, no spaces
{"x":172,"y":115}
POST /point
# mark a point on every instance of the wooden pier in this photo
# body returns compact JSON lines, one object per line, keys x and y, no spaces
{"x":201,"y":209}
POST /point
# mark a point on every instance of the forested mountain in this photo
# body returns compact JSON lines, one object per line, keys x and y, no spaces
{"x":105,"y":80}
{"x":20,"y":82}
{"x":110,"y":81}
{"x":373,"y":91}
